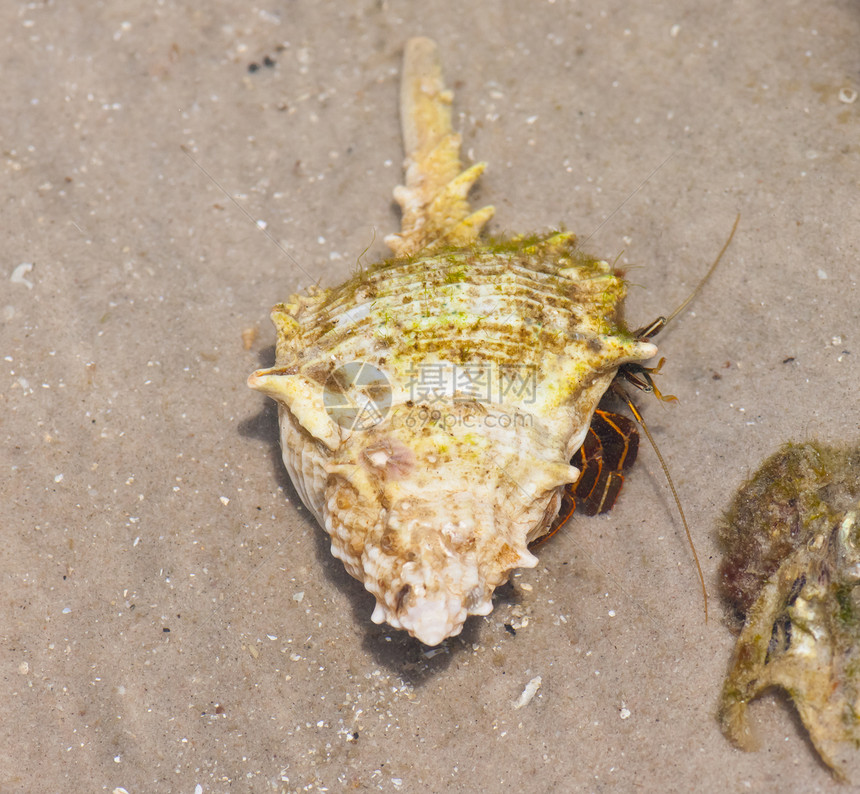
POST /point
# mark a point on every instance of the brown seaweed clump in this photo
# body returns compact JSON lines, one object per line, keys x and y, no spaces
{"x":791,"y":572}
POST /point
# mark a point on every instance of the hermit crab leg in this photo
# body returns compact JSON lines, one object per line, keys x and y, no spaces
{"x":435,"y":210}
{"x":609,"y":450}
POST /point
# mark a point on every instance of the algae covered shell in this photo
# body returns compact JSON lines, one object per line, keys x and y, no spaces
{"x":429,"y":407}
{"x":791,"y":572}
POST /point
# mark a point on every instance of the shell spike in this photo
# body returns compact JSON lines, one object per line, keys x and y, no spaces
{"x":268,"y":381}
{"x":435,"y":209}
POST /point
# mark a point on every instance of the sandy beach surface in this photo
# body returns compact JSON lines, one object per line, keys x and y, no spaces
{"x":171,"y":618}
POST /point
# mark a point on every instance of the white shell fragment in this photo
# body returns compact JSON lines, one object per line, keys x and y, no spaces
{"x":528,"y":693}
{"x":429,"y":407}
{"x":19,"y":275}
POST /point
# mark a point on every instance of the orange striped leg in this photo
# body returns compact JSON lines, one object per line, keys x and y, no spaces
{"x":609,"y":449}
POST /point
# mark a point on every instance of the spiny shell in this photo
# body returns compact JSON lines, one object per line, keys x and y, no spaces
{"x":792,"y":572}
{"x":479,"y":366}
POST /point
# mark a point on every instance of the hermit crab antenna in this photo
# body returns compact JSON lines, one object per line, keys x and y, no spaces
{"x":707,"y":275}
{"x":632,"y":193}
{"x":638,"y":417}
{"x":647,"y":331}
{"x":641,"y":378}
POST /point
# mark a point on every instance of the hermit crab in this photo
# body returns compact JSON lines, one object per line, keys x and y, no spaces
{"x":431,"y":406}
